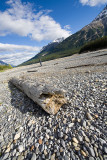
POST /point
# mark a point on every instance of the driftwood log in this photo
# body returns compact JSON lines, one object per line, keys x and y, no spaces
{"x":48,"y":97}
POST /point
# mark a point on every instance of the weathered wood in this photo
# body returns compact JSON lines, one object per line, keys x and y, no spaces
{"x":48,"y":97}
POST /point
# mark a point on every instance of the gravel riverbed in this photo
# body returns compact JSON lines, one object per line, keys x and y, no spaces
{"x":77,"y":132}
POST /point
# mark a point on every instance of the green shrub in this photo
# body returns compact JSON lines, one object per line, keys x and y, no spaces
{"x":5,"y":67}
{"x":100,"y":43}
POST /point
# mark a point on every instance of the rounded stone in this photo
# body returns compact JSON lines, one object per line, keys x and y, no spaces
{"x":33,"y":156}
{"x":20,"y":148}
{"x":40,"y":141}
{"x":75,"y":140}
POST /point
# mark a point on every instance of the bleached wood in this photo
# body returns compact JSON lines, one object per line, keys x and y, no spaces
{"x":48,"y":97}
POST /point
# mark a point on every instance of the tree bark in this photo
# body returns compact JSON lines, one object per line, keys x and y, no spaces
{"x":48,"y":97}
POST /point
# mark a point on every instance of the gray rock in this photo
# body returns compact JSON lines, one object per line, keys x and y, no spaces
{"x":5,"y":156}
{"x":33,"y":156}
{"x":42,"y":148}
{"x":97,"y":158}
{"x":58,"y":154}
{"x":105,"y":148}
{"x":91,"y":158}
{"x":60,"y":134}
{"x":14,"y":158}
{"x":105,"y":157}
{"x":96,"y":152}
{"x":83,"y":123}
{"x":20,"y":148}
{"x":47,"y":131}
{"x":37,"y":145}
{"x":92,"y":128}
{"x":80,"y":138}
{"x":89,"y":116}
{"x":37,"y":150}
{"x":20,"y":157}
{"x":87,"y":139}
{"x":63,"y":143}
{"x":71,"y":125}
{"x":73,"y":156}
{"x":17,"y":136}
{"x":14,"y":152}
{"x":66,"y":157}
{"x":91,"y":151}
{"x":1,"y":138}
{"x":102,"y":141}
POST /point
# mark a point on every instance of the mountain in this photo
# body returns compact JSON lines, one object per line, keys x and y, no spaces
{"x":96,"y":29}
{"x":3,"y":63}
{"x":44,"y":51}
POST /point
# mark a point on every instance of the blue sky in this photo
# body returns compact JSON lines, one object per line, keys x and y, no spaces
{"x":27,"y":25}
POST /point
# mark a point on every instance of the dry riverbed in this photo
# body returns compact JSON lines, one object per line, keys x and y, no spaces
{"x":77,"y":132}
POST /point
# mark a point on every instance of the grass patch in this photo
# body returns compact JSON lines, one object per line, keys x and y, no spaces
{"x":5,"y":67}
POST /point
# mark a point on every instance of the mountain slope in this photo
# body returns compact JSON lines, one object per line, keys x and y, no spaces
{"x":45,"y":50}
{"x":3,"y":63}
{"x":96,"y":29}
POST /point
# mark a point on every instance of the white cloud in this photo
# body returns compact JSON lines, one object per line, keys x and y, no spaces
{"x":93,"y":2}
{"x":22,"y":20}
{"x":67,"y":27}
{"x":16,"y":54}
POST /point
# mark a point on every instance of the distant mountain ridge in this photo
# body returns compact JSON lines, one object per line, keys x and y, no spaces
{"x":96,"y":29}
{"x":3,"y":63}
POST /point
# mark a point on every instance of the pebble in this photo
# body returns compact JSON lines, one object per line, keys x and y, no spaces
{"x":75,"y":144}
{"x":78,"y":126}
{"x":33,"y":156}
{"x":75,"y":140}
{"x":47,"y":136}
{"x":37,"y":150}
{"x":60,"y":134}
{"x":87,"y":139}
{"x":45,"y":152}
{"x":89,"y":116}
{"x":96,"y":152}
{"x":105,"y":148}
{"x":20,"y":157}
{"x":80,"y":138}
{"x":1,"y":138}
{"x":63,"y":143}
{"x":91,"y":151}
{"x":53,"y":157}
{"x":96,"y":116}
{"x":8,"y":149}
{"x":17,"y":136}
{"x":65,"y":137}
{"x":61,"y":149}
{"x":92,"y":128}
{"x":77,"y":148}
{"x":91,"y":158}
{"x":102,"y":141}
{"x":71,"y":125}
{"x":20,"y":148}
{"x":32,"y":148}
{"x":5,"y":156}
{"x":40,"y":141}
{"x":66,"y":157}
{"x":83,"y":123}
{"x":83,"y":153}
{"x":73,"y":156}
